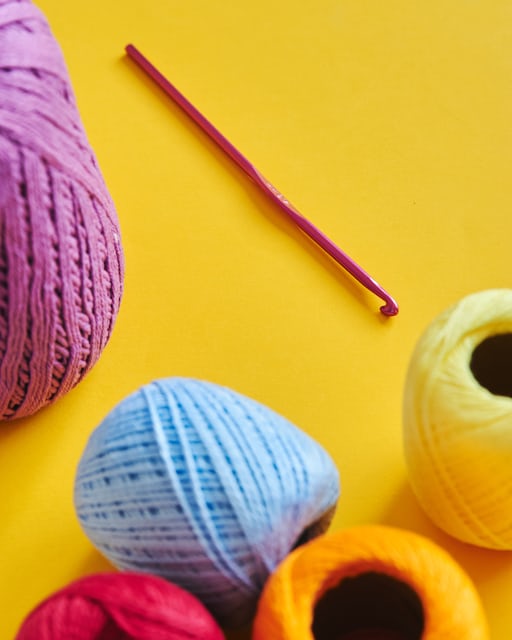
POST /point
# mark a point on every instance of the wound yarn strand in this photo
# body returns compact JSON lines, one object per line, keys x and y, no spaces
{"x":120,"y":606}
{"x":192,"y":481}
{"x":61,"y":261}
{"x":457,"y":418}
{"x":370,"y":581}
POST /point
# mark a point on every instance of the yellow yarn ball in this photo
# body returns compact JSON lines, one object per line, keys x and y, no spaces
{"x":458,"y":419}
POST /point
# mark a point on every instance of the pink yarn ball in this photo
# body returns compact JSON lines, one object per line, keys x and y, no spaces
{"x":61,"y":263}
{"x":120,"y":606}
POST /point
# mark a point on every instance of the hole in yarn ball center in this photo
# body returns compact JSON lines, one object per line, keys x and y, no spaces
{"x":369,"y":606}
{"x":491,"y":364}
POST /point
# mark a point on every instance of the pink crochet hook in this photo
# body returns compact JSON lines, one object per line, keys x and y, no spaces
{"x":390,"y":308}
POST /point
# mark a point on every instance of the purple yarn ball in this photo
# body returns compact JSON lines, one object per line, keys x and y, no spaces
{"x":61,"y":261}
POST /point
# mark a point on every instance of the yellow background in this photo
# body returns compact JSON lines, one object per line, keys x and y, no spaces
{"x":387,"y":123}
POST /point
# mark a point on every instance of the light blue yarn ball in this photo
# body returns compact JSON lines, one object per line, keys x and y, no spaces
{"x":202,"y":486}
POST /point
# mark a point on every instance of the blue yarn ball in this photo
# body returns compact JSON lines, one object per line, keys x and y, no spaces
{"x":205,"y":487}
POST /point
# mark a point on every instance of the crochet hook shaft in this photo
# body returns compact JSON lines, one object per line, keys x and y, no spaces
{"x":390,"y":308}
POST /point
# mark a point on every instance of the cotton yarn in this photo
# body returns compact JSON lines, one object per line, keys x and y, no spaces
{"x":458,"y":419}
{"x":122,"y":606}
{"x":203,"y":486}
{"x":61,"y":263}
{"x":367,"y":582}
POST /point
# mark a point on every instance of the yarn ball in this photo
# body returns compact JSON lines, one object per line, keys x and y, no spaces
{"x":61,"y":264}
{"x":203,"y":486}
{"x":370,"y":582}
{"x":120,"y":606}
{"x":458,"y":419}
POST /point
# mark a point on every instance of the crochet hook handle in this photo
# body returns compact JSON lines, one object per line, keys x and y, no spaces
{"x":390,"y":308}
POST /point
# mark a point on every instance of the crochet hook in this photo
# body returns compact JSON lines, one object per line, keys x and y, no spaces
{"x":390,"y":308}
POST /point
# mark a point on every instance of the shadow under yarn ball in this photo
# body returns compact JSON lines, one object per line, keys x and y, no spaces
{"x":205,"y":487}
{"x":61,"y":263}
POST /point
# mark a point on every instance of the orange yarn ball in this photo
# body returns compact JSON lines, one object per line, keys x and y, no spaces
{"x":370,"y":582}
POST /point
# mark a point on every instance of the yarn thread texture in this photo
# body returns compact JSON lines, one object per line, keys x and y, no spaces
{"x":196,"y":483}
{"x":451,"y":608}
{"x":456,"y":432}
{"x":123,"y":606}
{"x":61,"y":262}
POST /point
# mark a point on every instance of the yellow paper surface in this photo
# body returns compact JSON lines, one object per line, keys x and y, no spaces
{"x":387,"y":124}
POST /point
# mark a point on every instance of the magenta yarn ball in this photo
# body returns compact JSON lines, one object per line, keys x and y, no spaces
{"x":120,"y":606}
{"x":61,"y":262}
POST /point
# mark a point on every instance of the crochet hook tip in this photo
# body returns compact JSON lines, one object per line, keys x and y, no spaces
{"x":390,"y":308}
